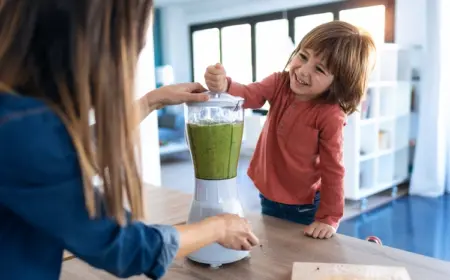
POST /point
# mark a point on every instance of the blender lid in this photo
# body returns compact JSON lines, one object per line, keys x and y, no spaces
{"x":219,"y":99}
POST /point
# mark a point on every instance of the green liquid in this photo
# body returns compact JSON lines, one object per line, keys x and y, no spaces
{"x":215,"y":149}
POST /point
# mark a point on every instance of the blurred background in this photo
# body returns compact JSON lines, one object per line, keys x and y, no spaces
{"x":397,"y":147}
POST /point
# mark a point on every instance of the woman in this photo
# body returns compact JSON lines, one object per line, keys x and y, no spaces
{"x":59,"y":59}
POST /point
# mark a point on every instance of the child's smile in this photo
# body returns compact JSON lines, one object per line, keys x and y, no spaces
{"x":308,"y":75}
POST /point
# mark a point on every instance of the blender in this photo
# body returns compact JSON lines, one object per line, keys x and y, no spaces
{"x":214,"y":131}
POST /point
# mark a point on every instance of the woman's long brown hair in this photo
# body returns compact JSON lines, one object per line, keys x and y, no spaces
{"x":80,"y":56}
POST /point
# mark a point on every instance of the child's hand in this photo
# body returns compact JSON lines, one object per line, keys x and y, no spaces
{"x":319,"y":230}
{"x":216,"y":78}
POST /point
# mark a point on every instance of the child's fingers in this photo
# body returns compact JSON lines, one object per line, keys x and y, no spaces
{"x":316,"y":232}
{"x":323,"y":233}
{"x":215,"y":71}
{"x":329,"y":234}
{"x":213,"y":83}
{"x":312,"y":230}
{"x":214,"y":77}
{"x":309,"y":230}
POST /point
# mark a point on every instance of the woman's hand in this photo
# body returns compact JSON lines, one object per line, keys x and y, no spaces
{"x":178,"y":94}
{"x":172,"y":95}
{"x":320,"y":230}
{"x":236,"y":233}
{"x":230,"y":231}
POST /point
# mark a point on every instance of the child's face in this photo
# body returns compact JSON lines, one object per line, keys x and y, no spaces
{"x":308,"y":75}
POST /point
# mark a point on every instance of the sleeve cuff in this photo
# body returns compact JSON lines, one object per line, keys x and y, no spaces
{"x":229,"y":81}
{"x":170,"y":238}
{"x":332,"y":221}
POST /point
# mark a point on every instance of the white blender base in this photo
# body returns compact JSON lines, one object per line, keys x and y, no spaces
{"x":214,"y":197}
{"x":216,"y":255}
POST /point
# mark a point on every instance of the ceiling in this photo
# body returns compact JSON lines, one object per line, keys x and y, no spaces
{"x":162,"y":3}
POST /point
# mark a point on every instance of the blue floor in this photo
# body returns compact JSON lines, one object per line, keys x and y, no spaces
{"x":416,"y":224}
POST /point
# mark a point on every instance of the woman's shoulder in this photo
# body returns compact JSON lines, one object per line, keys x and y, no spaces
{"x":18,"y":113}
{"x":13,"y":106}
{"x":33,"y":140}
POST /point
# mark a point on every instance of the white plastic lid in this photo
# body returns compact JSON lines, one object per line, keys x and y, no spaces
{"x":218,"y":99}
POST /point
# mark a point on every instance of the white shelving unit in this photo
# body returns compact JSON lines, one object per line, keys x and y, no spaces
{"x":376,"y":138}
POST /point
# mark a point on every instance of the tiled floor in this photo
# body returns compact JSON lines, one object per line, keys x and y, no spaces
{"x":415,"y":224}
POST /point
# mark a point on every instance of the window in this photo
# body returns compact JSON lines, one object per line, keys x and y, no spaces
{"x":206,"y":51}
{"x":370,"y":18}
{"x":252,"y":48}
{"x":271,"y":51}
{"x":304,"y":24}
{"x":237,"y":52}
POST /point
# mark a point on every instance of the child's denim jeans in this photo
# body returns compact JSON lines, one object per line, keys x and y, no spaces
{"x":301,"y":214}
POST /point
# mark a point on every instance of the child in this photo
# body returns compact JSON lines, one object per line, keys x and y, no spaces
{"x":298,"y":158}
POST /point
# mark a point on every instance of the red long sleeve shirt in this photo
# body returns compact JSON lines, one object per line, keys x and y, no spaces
{"x":300,"y":147}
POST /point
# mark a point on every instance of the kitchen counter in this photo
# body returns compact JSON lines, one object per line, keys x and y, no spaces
{"x":283,"y":244}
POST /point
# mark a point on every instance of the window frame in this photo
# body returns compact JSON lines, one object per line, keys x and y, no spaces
{"x":290,"y":15}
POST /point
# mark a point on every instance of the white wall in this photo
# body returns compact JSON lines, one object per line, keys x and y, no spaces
{"x":410,"y":23}
{"x":227,"y":9}
{"x":175,"y":42}
{"x":145,"y":82}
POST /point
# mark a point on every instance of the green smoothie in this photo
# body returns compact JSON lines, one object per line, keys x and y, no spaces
{"x":215,"y":149}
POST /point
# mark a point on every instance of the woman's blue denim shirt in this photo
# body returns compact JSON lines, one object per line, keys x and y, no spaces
{"x":42,"y":208}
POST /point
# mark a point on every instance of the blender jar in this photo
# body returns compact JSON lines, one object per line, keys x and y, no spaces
{"x":214,"y":131}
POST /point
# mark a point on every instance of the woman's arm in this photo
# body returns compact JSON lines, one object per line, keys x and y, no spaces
{"x":42,"y":185}
{"x":171,"y":95}
{"x":196,"y":236}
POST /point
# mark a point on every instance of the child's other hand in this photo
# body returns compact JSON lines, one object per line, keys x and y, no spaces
{"x":216,"y":78}
{"x":319,"y":230}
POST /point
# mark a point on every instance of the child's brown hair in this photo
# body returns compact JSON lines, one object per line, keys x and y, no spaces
{"x":348,"y":53}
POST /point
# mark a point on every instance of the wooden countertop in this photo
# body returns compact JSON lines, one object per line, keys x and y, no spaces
{"x":163,"y":206}
{"x":283,"y":243}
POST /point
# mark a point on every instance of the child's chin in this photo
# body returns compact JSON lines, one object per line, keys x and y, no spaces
{"x":299,"y":91}
{"x":304,"y":95}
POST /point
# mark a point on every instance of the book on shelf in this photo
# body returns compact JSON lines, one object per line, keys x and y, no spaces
{"x":366,"y":105}
{"x":383,"y":140}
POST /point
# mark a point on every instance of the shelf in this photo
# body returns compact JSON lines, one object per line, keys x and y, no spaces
{"x":385,"y":169}
{"x":386,"y":134}
{"x":368,"y":140}
{"x":368,"y":121}
{"x":365,"y":192}
{"x":393,"y":64}
{"x":366,"y":109}
{"x":402,"y":131}
{"x":366,"y":174}
{"x":377,"y":84}
{"x":376,"y":146}
{"x":401,"y":164}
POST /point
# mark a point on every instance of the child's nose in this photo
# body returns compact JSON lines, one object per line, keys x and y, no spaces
{"x":304,"y":71}
{"x":309,"y":67}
